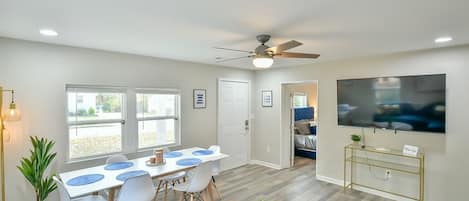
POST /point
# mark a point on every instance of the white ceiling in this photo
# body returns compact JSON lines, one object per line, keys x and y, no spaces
{"x":187,"y":30}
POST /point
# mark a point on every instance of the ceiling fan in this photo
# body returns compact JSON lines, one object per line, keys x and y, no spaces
{"x":263,"y":55}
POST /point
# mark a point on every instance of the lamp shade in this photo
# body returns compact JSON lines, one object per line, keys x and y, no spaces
{"x":12,"y":114}
{"x":263,"y":62}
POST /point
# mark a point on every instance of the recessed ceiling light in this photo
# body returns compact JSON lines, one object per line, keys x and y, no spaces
{"x":443,"y":39}
{"x":48,"y":32}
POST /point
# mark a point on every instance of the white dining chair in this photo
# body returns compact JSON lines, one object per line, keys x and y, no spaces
{"x":172,"y":179}
{"x":216,"y":165}
{"x":166,"y":150}
{"x":116,"y":158}
{"x":139,"y":188}
{"x":215,"y":168}
{"x":64,"y":196}
{"x":197,"y":183}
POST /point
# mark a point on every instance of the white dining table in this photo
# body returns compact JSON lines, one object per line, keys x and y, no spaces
{"x":109,"y":182}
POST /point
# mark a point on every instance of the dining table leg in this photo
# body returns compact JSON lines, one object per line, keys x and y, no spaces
{"x":166,"y":191}
{"x":111,"y":195}
{"x":183,"y":196}
{"x":204,"y":195}
{"x":158,"y":188}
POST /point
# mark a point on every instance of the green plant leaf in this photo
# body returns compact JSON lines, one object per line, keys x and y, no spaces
{"x":34,"y":167}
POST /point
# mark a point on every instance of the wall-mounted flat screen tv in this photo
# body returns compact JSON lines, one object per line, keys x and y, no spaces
{"x":409,"y":103}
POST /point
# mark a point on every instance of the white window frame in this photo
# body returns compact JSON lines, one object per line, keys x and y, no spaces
{"x":123,"y":120}
{"x":301,"y":94}
{"x":177,"y":117}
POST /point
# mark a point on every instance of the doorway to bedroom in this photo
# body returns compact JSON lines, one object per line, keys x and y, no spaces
{"x":299,"y":122}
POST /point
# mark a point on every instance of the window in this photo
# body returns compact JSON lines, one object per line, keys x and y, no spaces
{"x":300,"y":100}
{"x":158,"y":118}
{"x":96,"y":118}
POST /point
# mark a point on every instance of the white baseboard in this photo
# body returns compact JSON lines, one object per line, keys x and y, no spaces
{"x":363,"y":189}
{"x":330,"y":180}
{"x":266,"y":164}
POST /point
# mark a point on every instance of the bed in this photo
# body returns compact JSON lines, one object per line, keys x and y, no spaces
{"x":305,"y":141}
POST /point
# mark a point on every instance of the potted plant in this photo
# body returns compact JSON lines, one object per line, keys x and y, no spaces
{"x":34,"y":167}
{"x":356,"y":138}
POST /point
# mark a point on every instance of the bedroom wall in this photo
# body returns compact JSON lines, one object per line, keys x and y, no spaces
{"x":310,"y":89}
{"x":38,"y":72}
{"x":446,"y":163}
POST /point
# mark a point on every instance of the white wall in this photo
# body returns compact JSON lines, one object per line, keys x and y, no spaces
{"x":446,"y":161}
{"x":38,"y":72}
{"x":310,"y":89}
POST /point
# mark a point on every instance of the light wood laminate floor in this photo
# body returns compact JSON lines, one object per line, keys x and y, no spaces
{"x":259,"y":183}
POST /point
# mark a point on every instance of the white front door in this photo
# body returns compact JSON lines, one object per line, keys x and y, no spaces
{"x":233,"y":122}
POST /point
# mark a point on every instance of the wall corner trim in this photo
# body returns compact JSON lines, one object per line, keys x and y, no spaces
{"x":362,"y":189}
{"x":266,"y":164}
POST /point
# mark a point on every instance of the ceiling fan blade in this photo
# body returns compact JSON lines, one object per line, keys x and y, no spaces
{"x":229,"y":49}
{"x":231,"y":59}
{"x":284,"y":46}
{"x":297,"y":55}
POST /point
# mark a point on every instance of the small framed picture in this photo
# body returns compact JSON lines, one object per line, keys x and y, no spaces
{"x":200,"y":98}
{"x":267,"y":98}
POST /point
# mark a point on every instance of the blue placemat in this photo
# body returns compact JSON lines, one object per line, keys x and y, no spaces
{"x":85,"y":179}
{"x":118,"y":165}
{"x":173,"y":154}
{"x":204,"y":152}
{"x":126,"y":175}
{"x":188,"y":162}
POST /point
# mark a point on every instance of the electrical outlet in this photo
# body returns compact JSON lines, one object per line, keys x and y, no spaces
{"x":387,"y":174}
{"x":268,"y":149}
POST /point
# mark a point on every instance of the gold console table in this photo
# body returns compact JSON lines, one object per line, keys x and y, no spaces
{"x":353,"y":157}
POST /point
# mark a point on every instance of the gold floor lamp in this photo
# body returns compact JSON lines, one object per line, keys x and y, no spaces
{"x":11,"y":115}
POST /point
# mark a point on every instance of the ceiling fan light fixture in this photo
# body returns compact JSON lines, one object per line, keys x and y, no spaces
{"x":443,"y":39}
{"x":48,"y":32}
{"x":263,"y":61}
{"x":263,"y":55}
